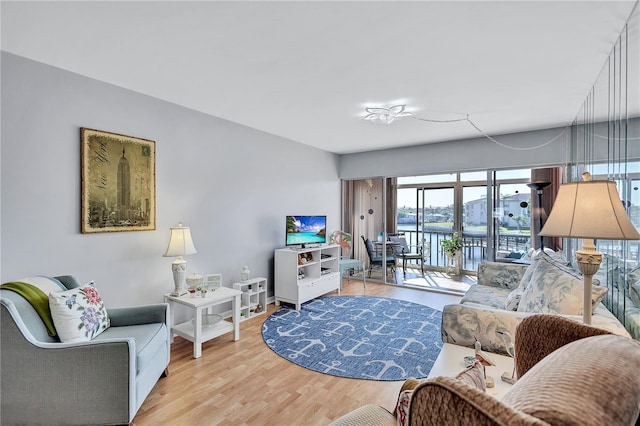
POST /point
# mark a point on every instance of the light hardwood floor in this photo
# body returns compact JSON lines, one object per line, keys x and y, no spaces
{"x":245,"y":383}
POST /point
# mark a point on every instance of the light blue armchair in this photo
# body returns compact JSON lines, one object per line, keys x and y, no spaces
{"x":103,"y":381}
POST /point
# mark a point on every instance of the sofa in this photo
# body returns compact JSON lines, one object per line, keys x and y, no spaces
{"x":568,"y":374}
{"x":103,"y":380}
{"x":491,"y":310}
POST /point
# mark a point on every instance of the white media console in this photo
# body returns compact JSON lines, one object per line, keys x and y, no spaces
{"x":302,"y":274}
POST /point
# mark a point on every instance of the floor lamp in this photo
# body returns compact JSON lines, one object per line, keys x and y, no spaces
{"x":589,"y":210}
{"x":539,"y":186}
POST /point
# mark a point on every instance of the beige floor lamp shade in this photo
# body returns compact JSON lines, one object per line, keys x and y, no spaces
{"x":589,"y":210}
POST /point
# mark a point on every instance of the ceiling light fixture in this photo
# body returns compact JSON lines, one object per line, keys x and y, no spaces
{"x":386,"y":115}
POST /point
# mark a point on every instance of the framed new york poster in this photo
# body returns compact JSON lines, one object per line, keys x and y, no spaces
{"x":118,"y":182}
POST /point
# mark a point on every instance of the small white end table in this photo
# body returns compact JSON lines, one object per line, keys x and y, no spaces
{"x":194,"y":330}
{"x":451,"y":361}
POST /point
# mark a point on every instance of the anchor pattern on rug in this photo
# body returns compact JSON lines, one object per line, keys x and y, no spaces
{"x":361,"y":337}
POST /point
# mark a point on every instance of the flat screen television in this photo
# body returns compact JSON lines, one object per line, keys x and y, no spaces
{"x":303,"y":230}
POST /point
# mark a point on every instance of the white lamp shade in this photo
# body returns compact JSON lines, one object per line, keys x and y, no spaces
{"x":180,"y":242}
{"x":591,"y":209}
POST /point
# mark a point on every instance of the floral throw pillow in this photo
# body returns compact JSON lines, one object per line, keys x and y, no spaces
{"x":555,"y":290}
{"x":513,"y":299}
{"x":79,"y":314}
{"x":402,"y":407}
{"x":404,"y":401}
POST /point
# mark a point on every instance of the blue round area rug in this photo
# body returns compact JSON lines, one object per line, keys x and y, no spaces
{"x":358,"y":337}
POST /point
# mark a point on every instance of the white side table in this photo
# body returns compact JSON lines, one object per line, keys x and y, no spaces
{"x":194,"y":330}
{"x":451,"y":361}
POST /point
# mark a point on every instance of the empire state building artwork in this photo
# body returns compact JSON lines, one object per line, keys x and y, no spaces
{"x":124,"y":188}
{"x":118,"y":182}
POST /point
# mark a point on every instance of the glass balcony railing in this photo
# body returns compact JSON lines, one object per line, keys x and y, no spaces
{"x":474,"y":245}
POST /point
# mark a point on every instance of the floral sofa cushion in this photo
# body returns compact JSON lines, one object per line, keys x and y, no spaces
{"x":553,"y":289}
{"x":486,"y":295}
{"x":503,"y":275}
{"x":495,"y":328}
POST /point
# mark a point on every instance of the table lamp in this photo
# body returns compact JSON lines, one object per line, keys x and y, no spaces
{"x":589,"y":210}
{"x":180,"y":244}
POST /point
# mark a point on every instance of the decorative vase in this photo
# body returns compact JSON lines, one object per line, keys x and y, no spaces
{"x":244,"y":274}
{"x":453,"y":263}
{"x":195,"y":281}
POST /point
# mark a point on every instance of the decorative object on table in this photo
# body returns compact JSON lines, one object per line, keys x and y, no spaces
{"x":213,"y":281}
{"x":474,"y":375}
{"x":486,"y":360}
{"x":509,"y":376}
{"x":538,"y":187}
{"x":203,"y":292}
{"x":111,"y":200}
{"x":244,"y":274}
{"x":304,"y":258}
{"x":361,"y":337}
{"x":195,"y":281}
{"x":469,"y":360}
{"x":180,"y":244}
{"x":589,"y":210}
{"x":453,"y":250}
{"x":192,"y":292}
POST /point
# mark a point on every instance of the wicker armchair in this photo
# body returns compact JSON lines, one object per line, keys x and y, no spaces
{"x":539,"y":335}
{"x":569,"y":373}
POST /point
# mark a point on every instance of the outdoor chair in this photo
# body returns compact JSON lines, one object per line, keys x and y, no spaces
{"x":404,"y":252}
{"x":346,"y":263}
{"x":377,"y":260}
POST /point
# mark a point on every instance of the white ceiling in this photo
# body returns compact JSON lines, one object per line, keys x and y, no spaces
{"x":306,"y":70}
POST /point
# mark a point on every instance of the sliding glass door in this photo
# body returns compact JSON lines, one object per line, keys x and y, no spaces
{"x":492,"y":211}
{"x":474,"y":225}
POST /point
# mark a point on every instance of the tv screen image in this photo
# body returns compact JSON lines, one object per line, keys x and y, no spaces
{"x":302,"y":230}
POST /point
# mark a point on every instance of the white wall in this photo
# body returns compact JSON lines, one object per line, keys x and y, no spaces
{"x":464,"y":155}
{"x":231,"y":184}
{"x":553,"y":147}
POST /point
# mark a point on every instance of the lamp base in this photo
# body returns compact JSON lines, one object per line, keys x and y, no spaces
{"x":589,"y":261}
{"x":179,"y":268}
